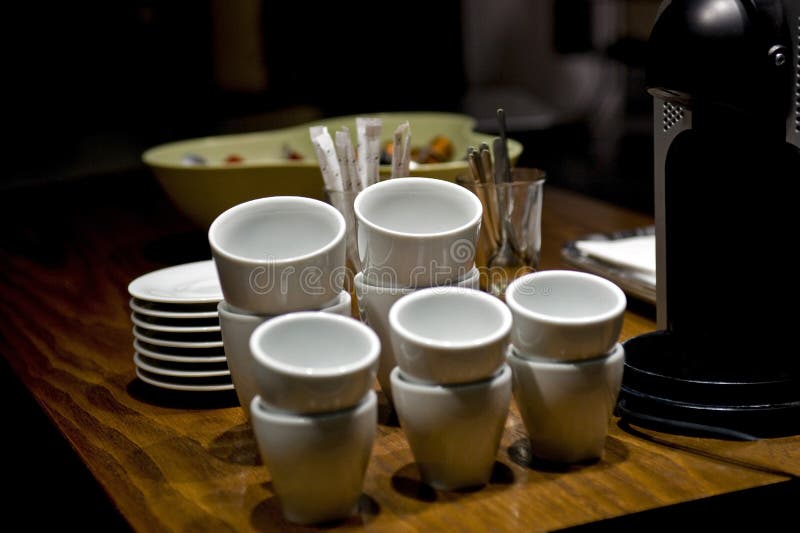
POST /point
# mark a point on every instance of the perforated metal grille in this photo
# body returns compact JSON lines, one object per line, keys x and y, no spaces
{"x":797,"y":80}
{"x":673,"y":114}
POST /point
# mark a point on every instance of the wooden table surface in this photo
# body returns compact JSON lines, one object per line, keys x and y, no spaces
{"x":172,"y":461}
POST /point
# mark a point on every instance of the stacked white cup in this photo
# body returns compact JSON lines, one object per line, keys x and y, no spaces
{"x":567,"y":364}
{"x":303,"y":377}
{"x":274,"y":256}
{"x":316,"y":414}
{"x":412,"y":233}
{"x":451,"y":387}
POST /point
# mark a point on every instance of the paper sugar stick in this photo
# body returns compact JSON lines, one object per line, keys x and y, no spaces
{"x":397,"y":148}
{"x":326,"y":155}
{"x":368,"y":134}
{"x":352,"y":165}
{"x":314,"y":132}
{"x":361,"y":150}
{"x":398,"y":151}
{"x":373,"y":135}
{"x":406,"y":161}
{"x":342,"y":140}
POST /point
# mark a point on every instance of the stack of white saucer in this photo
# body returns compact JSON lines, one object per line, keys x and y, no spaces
{"x":176,"y":329}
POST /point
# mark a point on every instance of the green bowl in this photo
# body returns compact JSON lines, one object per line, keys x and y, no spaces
{"x":203,"y":192}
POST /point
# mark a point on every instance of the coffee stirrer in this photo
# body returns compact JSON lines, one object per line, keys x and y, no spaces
{"x":482,"y":189}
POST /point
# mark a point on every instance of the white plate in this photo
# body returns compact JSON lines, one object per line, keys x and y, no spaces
{"x":155,"y":326}
{"x":181,"y":384}
{"x":190,"y":283}
{"x":176,"y":343}
{"x":153,"y":354}
{"x":631,"y":281}
{"x":163,"y":368}
{"x":169,"y":310}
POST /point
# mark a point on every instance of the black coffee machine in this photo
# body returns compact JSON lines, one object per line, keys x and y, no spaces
{"x":725,"y":77}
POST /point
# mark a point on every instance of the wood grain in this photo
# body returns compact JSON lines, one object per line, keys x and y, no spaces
{"x":189,"y":462}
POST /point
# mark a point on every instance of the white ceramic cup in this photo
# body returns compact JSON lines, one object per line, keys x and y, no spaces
{"x":311,"y":362}
{"x":279,"y":254}
{"x":416,"y":232}
{"x":454,"y":431}
{"x":236,"y":329}
{"x":449,"y":335}
{"x":317,"y":462}
{"x":564,"y":315}
{"x":374,"y":303}
{"x":566,"y":406}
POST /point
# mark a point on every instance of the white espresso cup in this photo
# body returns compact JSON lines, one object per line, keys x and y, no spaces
{"x":454,"y":431}
{"x":279,"y":254}
{"x":565,"y":315}
{"x":317,"y":462}
{"x":237,"y":327}
{"x":416,"y":232}
{"x":566,"y":406}
{"x":374,"y":303}
{"x":311,"y":362}
{"x":449,"y":335}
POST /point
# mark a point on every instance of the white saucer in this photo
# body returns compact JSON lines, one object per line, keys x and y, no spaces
{"x":155,"y":326}
{"x":182,"y":384}
{"x":175,"y":343}
{"x":152,"y":354}
{"x":164,"y":311}
{"x":163,"y":368}
{"x":189,"y":283}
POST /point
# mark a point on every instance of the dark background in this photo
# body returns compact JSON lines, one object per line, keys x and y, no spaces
{"x":93,"y":84}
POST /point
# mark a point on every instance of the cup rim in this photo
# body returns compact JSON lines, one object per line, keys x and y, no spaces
{"x":612,"y":355}
{"x":359,"y":279}
{"x":539,"y":179}
{"x":263,"y":411}
{"x":513,"y":287}
{"x":432,"y":292}
{"x":405,"y":182}
{"x":305,"y":372}
{"x":224,"y":307}
{"x":502,"y":375}
{"x":258,"y":202}
{"x":538,"y":182}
